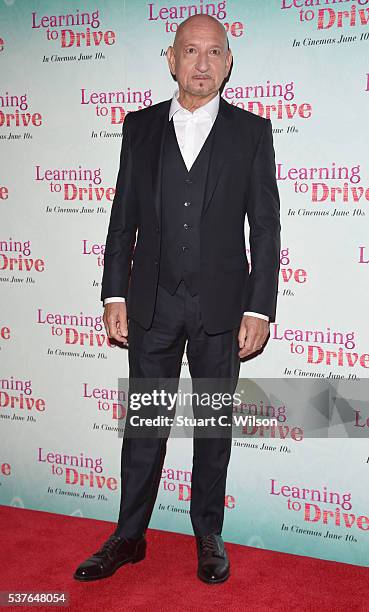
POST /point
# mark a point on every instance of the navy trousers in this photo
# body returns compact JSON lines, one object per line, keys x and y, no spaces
{"x":158,"y":353}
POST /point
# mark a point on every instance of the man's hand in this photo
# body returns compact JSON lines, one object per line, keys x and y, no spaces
{"x":115,"y":321}
{"x":252,"y":335}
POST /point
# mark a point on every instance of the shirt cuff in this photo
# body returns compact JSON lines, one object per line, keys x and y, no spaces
{"x":114,"y":299}
{"x":256,"y":314}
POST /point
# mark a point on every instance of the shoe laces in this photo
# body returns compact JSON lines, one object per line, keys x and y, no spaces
{"x":108,"y":546}
{"x":209,"y":545}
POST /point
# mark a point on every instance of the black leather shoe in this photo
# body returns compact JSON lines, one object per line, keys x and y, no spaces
{"x":213,"y":566}
{"x":113,"y":553}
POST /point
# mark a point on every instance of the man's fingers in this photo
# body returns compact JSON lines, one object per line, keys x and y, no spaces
{"x":251,"y":337}
{"x":246,"y":342}
{"x":247,"y":349}
{"x":115,"y":320}
{"x":116,"y":327}
{"x":122,"y":328}
{"x":242,"y":336}
{"x":106,"y":325}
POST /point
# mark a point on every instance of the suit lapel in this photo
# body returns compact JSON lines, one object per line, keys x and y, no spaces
{"x":156,"y":144}
{"x":222,"y":145}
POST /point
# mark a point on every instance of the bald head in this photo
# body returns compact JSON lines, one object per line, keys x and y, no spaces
{"x":207,"y":21}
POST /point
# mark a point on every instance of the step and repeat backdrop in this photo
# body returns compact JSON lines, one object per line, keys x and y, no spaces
{"x":70,"y":73}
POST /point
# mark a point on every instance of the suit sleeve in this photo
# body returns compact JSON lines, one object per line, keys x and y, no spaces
{"x":263,"y":212}
{"x":123,"y":223}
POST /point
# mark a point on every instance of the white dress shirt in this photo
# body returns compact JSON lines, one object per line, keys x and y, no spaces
{"x":192,"y":129}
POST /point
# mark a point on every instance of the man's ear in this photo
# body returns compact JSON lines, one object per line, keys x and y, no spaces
{"x":171,"y":60}
{"x":229,"y":61}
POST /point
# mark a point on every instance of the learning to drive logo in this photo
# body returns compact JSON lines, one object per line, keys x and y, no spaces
{"x":74,"y":330}
{"x":16,"y":113}
{"x":321,"y":508}
{"x":18,"y":401}
{"x":330,"y":184}
{"x":16,"y":256}
{"x":112,"y":106}
{"x":107,"y":402}
{"x":75,"y":29}
{"x":178,"y":482}
{"x":171,"y":16}
{"x":342,"y":14}
{"x":76,"y":184}
{"x":267,"y":420}
{"x":275,"y":100}
{"x":81,"y":471}
{"x":322,"y":346}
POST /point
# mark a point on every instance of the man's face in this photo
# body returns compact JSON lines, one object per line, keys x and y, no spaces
{"x":200,"y":60}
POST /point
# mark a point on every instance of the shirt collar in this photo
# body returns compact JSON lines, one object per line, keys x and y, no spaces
{"x":210,"y":107}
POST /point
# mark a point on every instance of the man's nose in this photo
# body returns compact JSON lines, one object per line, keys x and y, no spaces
{"x":202,"y":63}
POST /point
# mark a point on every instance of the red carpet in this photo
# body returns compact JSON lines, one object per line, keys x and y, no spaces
{"x":40,"y":551}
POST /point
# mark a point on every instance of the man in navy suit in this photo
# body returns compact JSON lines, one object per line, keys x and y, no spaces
{"x":191,"y":168}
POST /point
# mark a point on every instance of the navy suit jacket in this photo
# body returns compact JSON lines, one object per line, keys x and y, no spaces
{"x":241,"y":181}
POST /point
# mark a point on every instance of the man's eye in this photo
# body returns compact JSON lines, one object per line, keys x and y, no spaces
{"x":190,"y":49}
{"x":215,"y":51}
